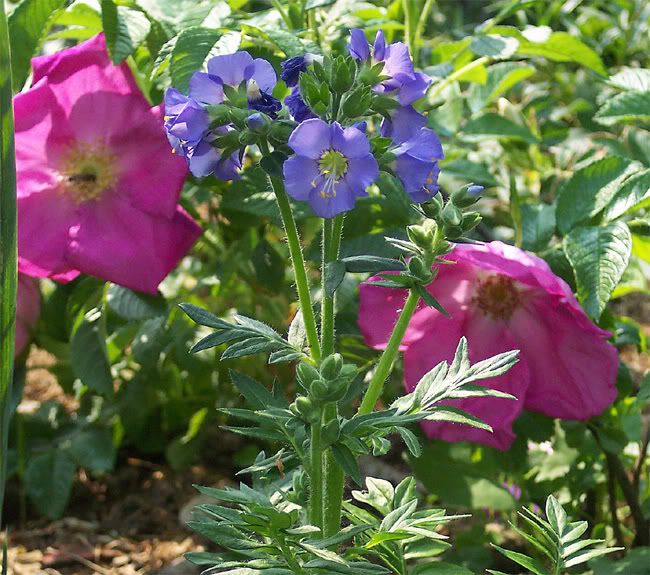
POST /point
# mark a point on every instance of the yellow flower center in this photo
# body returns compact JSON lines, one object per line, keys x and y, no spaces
{"x":87,"y":171}
{"x":498,"y":297}
{"x":333,"y":164}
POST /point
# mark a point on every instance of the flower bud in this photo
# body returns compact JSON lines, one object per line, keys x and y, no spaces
{"x":330,"y":433}
{"x":319,"y":390}
{"x":423,"y":235}
{"x":433,"y":207}
{"x":451,"y":215}
{"x":306,"y":409}
{"x":342,"y":74}
{"x":331,"y":366}
{"x":247,"y":137}
{"x":453,"y":232}
{"x":419,"y":269}
{"x":258,"y":123}
{"x":470,"y":221}
{"x":306,"y":375}
{"x":466,"y":196}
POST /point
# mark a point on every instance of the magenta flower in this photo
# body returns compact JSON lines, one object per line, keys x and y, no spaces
{"x":98,"y":187}
{"x":332,"y":167}
{"x":28,"y":308}
{"x":502,"y":298}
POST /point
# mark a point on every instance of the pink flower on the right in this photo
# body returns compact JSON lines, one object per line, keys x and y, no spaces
{"x":501,"y":298}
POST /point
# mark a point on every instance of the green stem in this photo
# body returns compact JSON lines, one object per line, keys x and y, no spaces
{"x":333,"y":478}
{"x":8,"y":255}
{"x":440,"y":86}
{"x":385,"y":364}
{"x":298,"y":262}
{"x":283,"y":13}
{"x":420,"y":28}
{"x":409,"y":29}
{"x":316,"y":475}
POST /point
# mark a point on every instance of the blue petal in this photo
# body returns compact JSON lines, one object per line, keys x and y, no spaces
{"x":206,"y":88}
{"x":230,"y":68}
{"x":358,"y":46}
{"x":311,"y":138}
{"x":300,"y":176}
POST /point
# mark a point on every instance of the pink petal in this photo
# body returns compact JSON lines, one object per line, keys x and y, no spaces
{"x":44,"y":220}
{"x":573,"y":368}
{"x":41,"y":138}
{"x":150,"y":174}
{"x":485,"y":338}
{"x":117,"y":242}
{"x":60,"y":66}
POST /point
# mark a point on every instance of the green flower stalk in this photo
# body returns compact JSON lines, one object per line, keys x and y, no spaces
{"x":8,"y":255}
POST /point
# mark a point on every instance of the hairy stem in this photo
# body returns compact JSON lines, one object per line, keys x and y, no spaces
{"x":316,"y":475}
{"x":298,"y":263}
{"x":334,"y":478}
{"x":387,"y":359}
{"x":8,"y":256}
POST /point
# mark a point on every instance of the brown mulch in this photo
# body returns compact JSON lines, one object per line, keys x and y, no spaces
{"x":131,"y":523}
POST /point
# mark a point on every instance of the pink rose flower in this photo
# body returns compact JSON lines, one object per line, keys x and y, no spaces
{"x":502,"y":298}
{"x":98,"y":187}
{"x":28,"y":308}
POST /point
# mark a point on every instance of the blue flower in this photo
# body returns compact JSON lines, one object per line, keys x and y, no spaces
{"x":402,"y":79}
{"x":292,"y":67}
{"x":332,"y":167}
{"x":261,"y":101}
{"x":187,"y":126}
{"x":417,"y":150}
{"x":297,"y":107}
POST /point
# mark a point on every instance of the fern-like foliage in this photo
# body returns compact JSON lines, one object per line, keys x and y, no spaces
{"x":557,"y":539}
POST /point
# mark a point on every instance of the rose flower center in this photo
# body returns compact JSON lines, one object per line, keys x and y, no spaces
{"x":88,"y":170}
{"x":498,"y":297}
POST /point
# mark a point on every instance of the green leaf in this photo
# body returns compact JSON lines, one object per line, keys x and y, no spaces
{"x":441,"y":568}
{"x":193,"y":47}
{"x":373,"y":264}
{"x":500,"y":78}
{"x":470,"y":171}
{"x":28,"y":25}
{"x":626,"y":107}
{"x":636,"y":79}
{"x":134,"y":305}
{"x":347,"y":461}
{"x":89,"y":357}
{"x":556,"y":515}
{"x":599,"y":256}
{"x":257,"y":396}
{"x":590,"y":189}
{"x":269,"y":265}
{"x":411,"y":440}
{"x":48,"y":481}
{"x":492,"y":125}
{"x":93,"y":449}
{"x":528,"y":562}
{"x":633,"y":195}
{"x":334,"y":275}
{"x":538,"y":225}
{"x":555,"y":46}
{"x":125,"y":29}
{"x":494,"y":46}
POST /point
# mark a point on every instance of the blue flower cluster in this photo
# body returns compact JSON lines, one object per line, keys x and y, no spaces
{"x":332,"y":164}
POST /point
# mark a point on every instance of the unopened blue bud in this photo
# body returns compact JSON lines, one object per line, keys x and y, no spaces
{"x":258,"y":123}
{"x":475,"y":190}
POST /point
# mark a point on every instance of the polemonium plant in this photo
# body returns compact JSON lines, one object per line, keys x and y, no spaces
{"x":346,"y":119}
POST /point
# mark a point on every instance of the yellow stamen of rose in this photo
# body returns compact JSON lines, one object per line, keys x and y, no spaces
{"x":87,"y":171}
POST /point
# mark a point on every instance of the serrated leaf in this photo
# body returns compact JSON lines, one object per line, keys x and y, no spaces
{"x":28,"y":24}
{"x":538,"y":225}
{"x":633,"y":195}
{"x":590,"y":189}
{"x":491,"y":125}
{"x":500,"y":78}
{"x":93,"y":449}
{"x":48,"y":481}
{"x":125,"y":29}
{"x":89,"y":356}
{"x":599,"y":256}
{"x":193,"y":46}
{"x":494,"y":46}
{"x":636,"y":79}
{"x":625,"y":107}
{"x":133,"y":305}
